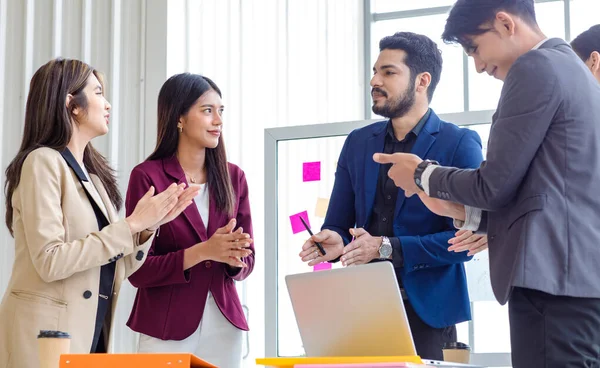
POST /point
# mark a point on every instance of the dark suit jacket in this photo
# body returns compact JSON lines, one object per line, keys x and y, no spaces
{"x":170,"y":302}
{"x":541,"y":176}
{"x":434,"y":279}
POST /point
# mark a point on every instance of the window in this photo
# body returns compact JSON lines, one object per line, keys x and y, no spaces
{"x":484,"y":133}
{"x":484,"y":91}
{"x":584,"y":14}
{"x":384,"y":6}
{"x":491,"y":329}
{"x":551,"y":18}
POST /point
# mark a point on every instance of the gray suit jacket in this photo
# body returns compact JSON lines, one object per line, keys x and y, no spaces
{"x":539,"y":184}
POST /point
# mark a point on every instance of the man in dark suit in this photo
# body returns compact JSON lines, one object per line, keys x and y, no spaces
{"x":535,"y":195}
{"x":587,"y":47}
{"x":390,"y":226}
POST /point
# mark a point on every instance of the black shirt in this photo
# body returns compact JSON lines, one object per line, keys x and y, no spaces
{"x":381,"y":222}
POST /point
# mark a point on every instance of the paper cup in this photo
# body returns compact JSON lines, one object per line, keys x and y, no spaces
{"x":52,"y":344}
{"x":457,"y":352}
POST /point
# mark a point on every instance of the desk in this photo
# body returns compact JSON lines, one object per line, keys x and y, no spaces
{"x":354,"y":362}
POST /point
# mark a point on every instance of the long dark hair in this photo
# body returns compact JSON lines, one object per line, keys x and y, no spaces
{"x":177,"y":95}
{"x":48,"y":123}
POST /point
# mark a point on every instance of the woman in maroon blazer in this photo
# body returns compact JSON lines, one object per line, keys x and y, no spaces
{"x":187,"y":299}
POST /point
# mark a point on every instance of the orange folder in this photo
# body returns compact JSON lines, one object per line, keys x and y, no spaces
{"x":132,"y":361}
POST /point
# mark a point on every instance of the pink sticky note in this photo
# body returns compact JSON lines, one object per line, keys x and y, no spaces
{"x":322,"y":266}
{"x":311,"y":171}
{"x":297,"y":226}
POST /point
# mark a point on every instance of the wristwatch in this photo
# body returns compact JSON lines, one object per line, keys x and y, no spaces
{"x":385,"y":249}
{"x":419,"y":171}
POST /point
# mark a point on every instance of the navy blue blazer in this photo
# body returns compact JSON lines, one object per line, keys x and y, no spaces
{"x":434,"y":278}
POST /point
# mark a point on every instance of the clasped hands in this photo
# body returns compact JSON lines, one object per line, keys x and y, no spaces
{"x":362,"y":249}
{"x":228,"y":246}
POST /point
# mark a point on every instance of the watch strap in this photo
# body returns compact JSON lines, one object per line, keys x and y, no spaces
{"x":419,"y":171}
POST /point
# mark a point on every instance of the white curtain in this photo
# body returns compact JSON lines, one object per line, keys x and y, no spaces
{"x":277,"y":62}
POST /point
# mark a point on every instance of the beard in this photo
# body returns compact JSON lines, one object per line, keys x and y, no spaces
{"x":396,"y":108}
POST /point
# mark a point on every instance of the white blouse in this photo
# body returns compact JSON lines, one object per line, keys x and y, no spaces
{"x":202,"y":202}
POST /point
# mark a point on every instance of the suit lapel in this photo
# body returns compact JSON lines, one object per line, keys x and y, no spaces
{"x":87,"y":185}
{"x":374,"y":145}
{"x":96,"y":197}
{"x":112,"y":213}
{"x":424,"y":141}
{"x":174,"y":170}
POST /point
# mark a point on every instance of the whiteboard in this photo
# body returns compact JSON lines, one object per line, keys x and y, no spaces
{"x":300,"y":164}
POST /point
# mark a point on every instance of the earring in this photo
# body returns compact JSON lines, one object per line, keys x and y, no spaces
{"x":180,"y":128}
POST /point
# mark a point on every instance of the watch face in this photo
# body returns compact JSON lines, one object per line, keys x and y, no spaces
{"x":386,"y":250}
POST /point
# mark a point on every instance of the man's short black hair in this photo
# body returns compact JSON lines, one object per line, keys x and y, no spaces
{"x":587,"y":42}
{"x":422,"y":55}
{"x":470,"y":17}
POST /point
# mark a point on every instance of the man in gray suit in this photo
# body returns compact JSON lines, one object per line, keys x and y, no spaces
{"x":536,"y":194}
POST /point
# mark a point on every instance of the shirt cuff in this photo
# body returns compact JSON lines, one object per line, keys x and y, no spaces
{"x":397,"y":254}
{"x":472,"y":219}
{"x":425,"y":177}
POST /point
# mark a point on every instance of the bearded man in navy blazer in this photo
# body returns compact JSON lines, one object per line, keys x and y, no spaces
{"x":388,"y":225}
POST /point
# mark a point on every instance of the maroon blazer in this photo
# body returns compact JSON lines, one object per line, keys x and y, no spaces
{"x":170,"y":302}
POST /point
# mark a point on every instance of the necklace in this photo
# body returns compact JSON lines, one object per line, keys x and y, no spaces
{"x":192,"y":178}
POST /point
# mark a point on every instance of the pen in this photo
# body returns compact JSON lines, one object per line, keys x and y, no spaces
{"x":321,"y":249}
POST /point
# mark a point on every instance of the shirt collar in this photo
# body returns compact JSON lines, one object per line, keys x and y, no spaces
{"x":416,"y":130}
{"x":540,"y":44}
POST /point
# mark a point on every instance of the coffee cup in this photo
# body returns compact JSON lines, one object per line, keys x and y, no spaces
{"x":456,"y":352}
{"x":51,"y":345}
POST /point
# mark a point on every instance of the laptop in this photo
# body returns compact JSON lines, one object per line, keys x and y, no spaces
{"x":353,"y":311}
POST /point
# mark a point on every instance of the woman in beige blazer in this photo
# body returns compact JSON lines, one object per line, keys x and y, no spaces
{"x":71,"y":250}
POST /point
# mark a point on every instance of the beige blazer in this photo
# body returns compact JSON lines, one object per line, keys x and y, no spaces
{"x":58,"y":255}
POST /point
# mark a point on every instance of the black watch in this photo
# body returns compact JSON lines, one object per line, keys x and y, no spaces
{"x":419,"y":171}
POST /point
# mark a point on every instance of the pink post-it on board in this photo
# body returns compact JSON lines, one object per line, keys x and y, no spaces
{"x":311,"y":171}
{"x":322,"y":266}
{"x":297,"y":226}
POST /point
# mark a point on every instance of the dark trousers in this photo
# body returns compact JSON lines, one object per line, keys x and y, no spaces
{"x":428,"y":340}
{"x":549,"y":331}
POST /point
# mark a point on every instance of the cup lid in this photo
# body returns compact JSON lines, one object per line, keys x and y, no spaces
{"x":53,"y":334}
{"x":456,"y":345}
